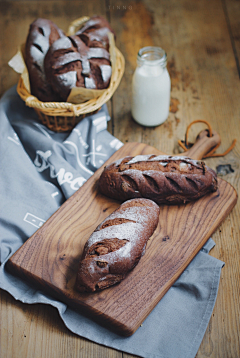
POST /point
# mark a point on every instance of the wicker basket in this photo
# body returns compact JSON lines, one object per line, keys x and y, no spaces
{"x":63,"y":116}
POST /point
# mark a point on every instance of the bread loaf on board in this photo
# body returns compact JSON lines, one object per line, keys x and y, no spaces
{"x":164,"y":179}
{"x":117,"y":244}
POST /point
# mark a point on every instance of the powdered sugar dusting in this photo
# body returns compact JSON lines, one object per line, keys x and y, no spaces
{"x":139,"y":158}
{"x":131,"y":230}
{"x":134,"y":213}
{"x":106,"y":72}
{"x":89,"y":82}
{"x":134,"y":174}
{"x":183,"y":166}
{"x":97,"y":52}
{"x":46,"y":30}
{"x":69,"y":79}
{"x":118,"y":162}
{"x":123,"y":254}
{"x":42,"y":42}
{"x":37,"y":55}
{"x":66,"y":58}
{"x":123,"y":232}
{"x":140,"y":214}
{"x":161,"y":158}
{"x":62,"y":43}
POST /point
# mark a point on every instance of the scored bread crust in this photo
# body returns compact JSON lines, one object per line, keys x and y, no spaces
{"x":42,"y":34}
{"x":97,"y":27}
{"x":71,"y":63}
{"x":117,"y":244}
{"x":57,"y":63}
{"x":164,"y":179}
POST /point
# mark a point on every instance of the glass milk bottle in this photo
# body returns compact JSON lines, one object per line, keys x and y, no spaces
{"x":151,"y":86}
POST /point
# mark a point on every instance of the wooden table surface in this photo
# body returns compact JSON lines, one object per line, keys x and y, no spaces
{"x":202,"y":40}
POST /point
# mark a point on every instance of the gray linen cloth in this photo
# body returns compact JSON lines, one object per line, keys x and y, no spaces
{"x":39,"y":170}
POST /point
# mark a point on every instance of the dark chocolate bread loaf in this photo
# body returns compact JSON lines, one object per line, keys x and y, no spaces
{"x":71,"y":63}
{"x":96,"y":28}
{"x":117,"y":244}
{"x":163,"y":179}
{"x":42,"y":33}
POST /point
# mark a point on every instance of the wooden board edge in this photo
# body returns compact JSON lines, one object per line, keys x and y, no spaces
{"x":85,"y":310}
{"x":117,"y":326}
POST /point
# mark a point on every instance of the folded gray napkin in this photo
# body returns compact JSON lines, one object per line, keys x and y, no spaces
{"x":39,"y":170}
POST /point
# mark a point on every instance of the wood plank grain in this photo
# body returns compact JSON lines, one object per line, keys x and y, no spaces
{"x":204,"y":85}
{"x":34,"y":331}
{"x":202,"y":68}
{"x":50,"y":257}
{"x":232,"y":11}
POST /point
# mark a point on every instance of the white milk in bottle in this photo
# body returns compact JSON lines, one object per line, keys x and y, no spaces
{"x":151,"y":87}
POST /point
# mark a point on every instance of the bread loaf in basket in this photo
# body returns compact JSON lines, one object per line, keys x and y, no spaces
{"x":60,"y":115}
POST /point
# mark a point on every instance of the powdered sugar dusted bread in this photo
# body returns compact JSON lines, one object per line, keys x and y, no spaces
{"x":96,"y":29}
{"x":163,"y":179}
{"x":42,"y":33}
{"x":71,"y":63}
{"x":117,"y":244}
{"x":56,"y":63}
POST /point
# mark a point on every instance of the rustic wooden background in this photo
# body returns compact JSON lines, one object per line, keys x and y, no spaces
{"x":202,"y":40}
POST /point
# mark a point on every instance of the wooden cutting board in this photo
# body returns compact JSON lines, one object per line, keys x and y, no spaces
{"x":49,"y":259}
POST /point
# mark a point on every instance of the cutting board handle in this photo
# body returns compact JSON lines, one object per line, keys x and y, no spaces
{"x":203,"y":145}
